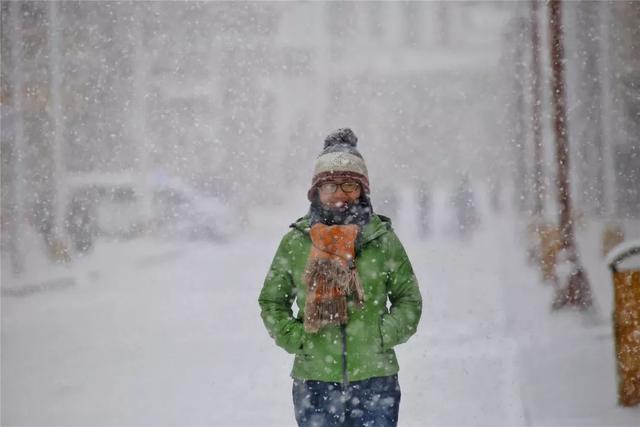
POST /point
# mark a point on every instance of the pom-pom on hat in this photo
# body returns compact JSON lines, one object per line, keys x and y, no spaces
{"x":340,"y":159}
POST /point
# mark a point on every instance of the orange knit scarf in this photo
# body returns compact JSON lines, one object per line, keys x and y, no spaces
{"x":331,"y":276}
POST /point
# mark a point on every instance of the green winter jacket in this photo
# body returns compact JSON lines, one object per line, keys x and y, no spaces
{"x":364,"y":348}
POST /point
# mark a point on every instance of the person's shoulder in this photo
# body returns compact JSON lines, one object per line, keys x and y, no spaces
{"x":301,"y":225}
{"x":297,"y":229}
{"x":380,"y":224}
{"x":386,"y":233}
{"x":377,"y":231}
{"x":384,"y":220}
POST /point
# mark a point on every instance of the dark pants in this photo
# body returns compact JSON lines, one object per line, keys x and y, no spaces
{"x":371,"y":402}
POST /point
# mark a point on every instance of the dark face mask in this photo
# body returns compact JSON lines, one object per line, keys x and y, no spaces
{"x":358,"y":212}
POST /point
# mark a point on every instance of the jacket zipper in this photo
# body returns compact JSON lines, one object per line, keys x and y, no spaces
{"x":345,"y":376}
{"x":343,"y":328}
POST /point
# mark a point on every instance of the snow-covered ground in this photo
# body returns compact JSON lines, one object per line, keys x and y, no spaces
{"x":159,"y":334}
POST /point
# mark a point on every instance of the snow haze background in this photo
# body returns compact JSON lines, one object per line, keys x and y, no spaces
{"x":154,"y":153}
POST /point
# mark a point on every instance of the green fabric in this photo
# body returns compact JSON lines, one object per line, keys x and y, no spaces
{"x":372,"y":332}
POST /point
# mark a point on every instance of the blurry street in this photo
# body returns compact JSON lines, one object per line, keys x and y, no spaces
{"x":153,"y":154}
{"x":172,"y":336}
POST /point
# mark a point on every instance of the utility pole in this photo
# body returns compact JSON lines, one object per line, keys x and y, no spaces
{"x":542,"y":244}
{"x":577,"y":292}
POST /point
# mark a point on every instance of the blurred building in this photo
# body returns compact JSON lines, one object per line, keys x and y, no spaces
{"x":236,"y":98}
{"x":603,"y":68}
{"x":236,"y":108}
{"x":623,"y":116}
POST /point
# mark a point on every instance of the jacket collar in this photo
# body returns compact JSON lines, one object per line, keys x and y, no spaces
{"x":376,"y":227}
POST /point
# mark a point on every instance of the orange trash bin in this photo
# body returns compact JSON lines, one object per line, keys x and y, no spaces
{"x":626,"y":322}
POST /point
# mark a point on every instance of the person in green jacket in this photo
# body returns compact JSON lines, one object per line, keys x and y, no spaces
{"x":356,"y":293}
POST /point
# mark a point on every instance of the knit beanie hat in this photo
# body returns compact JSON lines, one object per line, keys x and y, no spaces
{"x":340,"y":159}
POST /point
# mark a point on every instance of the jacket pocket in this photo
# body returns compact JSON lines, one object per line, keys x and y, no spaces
{"x":303,"y":345}
{"x":307,"y":347}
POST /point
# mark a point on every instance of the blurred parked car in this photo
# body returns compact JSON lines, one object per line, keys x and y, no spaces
{"x":180,"y":211}
{"x":101,"y":207}
{"x":111,"y":205}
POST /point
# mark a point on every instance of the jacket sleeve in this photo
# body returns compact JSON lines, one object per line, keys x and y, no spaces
{"x":276,"y":298}
{"x":401,"y":322}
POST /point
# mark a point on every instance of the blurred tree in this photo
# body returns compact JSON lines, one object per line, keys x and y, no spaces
{"x":577,"y":292}
{"x":464,"y":205}
{"x":536,"y":106}
{"x":520,"y":180}
{"x":424,"y":204}
{"x":444,"y":23}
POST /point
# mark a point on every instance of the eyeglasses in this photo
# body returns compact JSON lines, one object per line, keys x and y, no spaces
{"x":332,"y":187}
